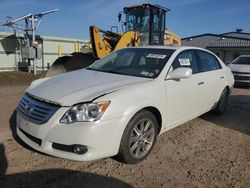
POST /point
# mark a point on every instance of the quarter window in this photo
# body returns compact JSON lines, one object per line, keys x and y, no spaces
{"x":186,"y":59}
{"x":208,"y":61}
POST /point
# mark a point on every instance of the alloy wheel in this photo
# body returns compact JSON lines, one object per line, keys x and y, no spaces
{"x":142,"y":138}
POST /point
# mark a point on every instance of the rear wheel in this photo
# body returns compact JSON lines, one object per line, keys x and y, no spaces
{"x":222,"y":103}
{"x":138,"y":138}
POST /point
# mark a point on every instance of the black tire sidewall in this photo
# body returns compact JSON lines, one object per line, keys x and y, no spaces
{"x":218,"y":110}
{"x":223,"y":100}
{"x":124,"y":151}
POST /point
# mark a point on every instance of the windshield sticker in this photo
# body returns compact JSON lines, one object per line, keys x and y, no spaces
{"x":184,"y":62}
{"x":157,"y":56}
{"x":144,"y":73}
{"x":151,"y":74}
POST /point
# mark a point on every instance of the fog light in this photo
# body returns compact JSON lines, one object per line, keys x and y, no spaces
{"x":79,"y":149}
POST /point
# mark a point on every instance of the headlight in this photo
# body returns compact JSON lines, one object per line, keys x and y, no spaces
{"x":85,"y":112}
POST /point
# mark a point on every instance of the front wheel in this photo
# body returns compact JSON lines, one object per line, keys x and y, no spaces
{"x":138,"y":138}
{"x":222,"y":103}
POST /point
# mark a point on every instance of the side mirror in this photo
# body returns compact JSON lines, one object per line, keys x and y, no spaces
{"x":179,"y":73}
{"x":119,"y":17}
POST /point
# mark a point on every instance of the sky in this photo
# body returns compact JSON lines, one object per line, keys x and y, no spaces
{"x":186,"y":18}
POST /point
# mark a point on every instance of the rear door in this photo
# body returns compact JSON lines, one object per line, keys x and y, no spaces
{"x":213,"y":78}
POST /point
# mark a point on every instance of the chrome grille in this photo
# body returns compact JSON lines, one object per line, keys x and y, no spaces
{"x":240,"y":77}
{"x":234,"y":72}
{"x":35,"y":110}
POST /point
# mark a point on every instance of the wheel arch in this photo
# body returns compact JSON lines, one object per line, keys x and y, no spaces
{"x":157,"y":115}
{"x":228,"y":89}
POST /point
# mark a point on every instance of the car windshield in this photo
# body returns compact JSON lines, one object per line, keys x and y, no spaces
{"x":242,"y":61}
{"x":140,"y":62}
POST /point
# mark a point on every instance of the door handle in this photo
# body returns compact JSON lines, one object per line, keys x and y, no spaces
{"x":200,"y":83}
{"x":222,"y":77}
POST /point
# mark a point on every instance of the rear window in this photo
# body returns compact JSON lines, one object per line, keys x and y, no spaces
{"x":208,"y":61}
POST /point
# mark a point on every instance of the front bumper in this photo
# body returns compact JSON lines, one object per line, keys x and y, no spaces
{"x":242,"y":78}
{"x":102,"y":138}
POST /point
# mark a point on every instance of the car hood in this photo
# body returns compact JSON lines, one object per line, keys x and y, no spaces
{"x":80,"y":86}
{"x":240,"y":68}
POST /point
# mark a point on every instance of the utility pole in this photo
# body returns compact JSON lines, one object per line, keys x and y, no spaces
{"x":32,"y":21}
{"x":33,"y":43}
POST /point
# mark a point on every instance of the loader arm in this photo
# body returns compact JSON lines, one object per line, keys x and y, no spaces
{"x":102,"y":46}
{"x":144,"y":25}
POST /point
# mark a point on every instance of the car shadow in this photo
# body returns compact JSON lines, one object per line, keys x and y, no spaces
{"x":54,"y":178}
{"x":12,"y":122}
{"x":242,"y":86}
{"x":237,"y":115}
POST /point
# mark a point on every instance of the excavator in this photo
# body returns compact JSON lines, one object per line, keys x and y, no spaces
{"x":144,"y":25}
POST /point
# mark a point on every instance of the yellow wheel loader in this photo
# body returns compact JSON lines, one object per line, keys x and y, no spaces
{"x":144,"y":25}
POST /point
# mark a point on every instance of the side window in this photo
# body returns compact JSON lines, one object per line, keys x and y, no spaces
{"x":186,"y":59}
{"x":208,"y":61}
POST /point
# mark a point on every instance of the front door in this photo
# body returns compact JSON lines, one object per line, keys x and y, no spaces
{"x":183,"y":96}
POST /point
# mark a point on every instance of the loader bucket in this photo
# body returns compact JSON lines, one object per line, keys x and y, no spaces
{"x":70,"y":63}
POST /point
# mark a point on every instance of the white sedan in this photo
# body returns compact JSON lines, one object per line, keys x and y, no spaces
{"x":241,"y":70}
{"x":121,"y":103}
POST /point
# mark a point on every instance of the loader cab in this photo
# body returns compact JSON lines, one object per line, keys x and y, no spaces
{"x":149,"y":21}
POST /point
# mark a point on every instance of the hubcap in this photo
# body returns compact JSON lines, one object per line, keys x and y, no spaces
{"x":141,"y":138}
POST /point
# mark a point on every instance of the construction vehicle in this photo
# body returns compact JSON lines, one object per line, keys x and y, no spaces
{"x":144,"y":25}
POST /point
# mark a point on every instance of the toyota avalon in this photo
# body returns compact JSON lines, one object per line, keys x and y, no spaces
{"x":121,"y":103}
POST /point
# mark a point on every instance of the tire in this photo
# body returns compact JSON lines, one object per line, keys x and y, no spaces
{"x":221,"y":105}
{"x":138,"y":138}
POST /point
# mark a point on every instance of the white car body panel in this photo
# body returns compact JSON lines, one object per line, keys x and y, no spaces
{"x":177,"y":102}
{"x":89,"y":133}
{"x":67,"y":89}
{"x":177,"y":93}
{"x":213,"y":87}
{"x":240,"y":68}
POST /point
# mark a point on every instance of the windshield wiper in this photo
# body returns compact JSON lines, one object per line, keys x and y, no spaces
{"x":112,"y":71}
{"x":109,"y":71}
{"x":115,"y":72}
{"x":89,"y":68}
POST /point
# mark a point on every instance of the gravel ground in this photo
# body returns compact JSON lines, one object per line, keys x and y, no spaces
{"x":209,"y":151}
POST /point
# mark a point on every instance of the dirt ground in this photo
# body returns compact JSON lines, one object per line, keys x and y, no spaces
{"x":209,"y":151}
